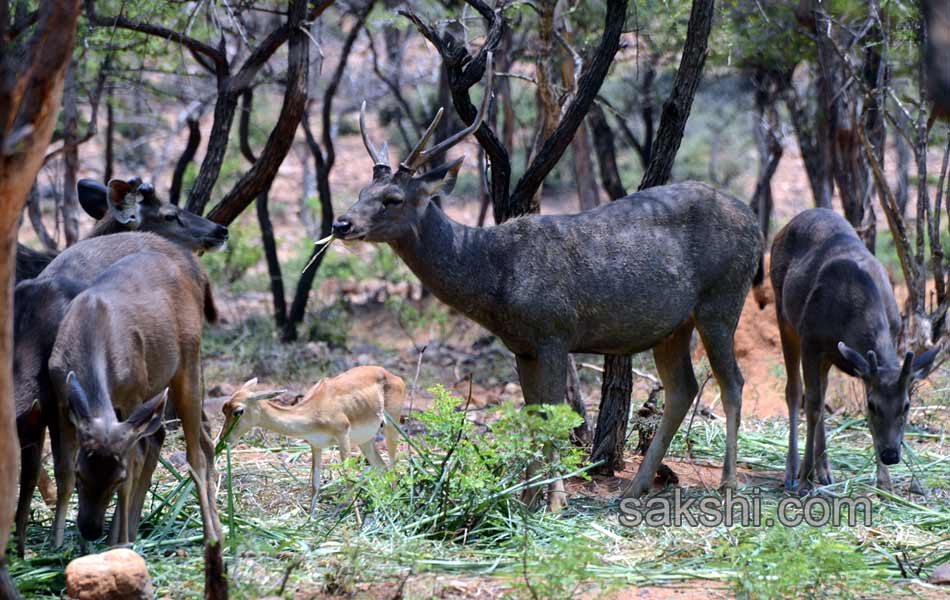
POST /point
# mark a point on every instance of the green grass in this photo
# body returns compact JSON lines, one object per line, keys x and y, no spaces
{"x":451,"y":509}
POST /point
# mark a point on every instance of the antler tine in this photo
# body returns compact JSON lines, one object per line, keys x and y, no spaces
{"x":412,"y":161}
{"x":454,"y":139}
{"x":380,"y":159}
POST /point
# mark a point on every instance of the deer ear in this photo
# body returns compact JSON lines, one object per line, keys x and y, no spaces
{"x":93,"y":198}
{"x":124,"y":203}
{"x":249,"y":383}
{"x":147,"y":418}
{"x":923,"y":364}
{"x":439,"y":181}
{"x":859,"y":366}
{"x":77,"y":401}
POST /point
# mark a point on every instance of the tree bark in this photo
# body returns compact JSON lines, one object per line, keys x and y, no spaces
{"x":324,"y":160}
{"x":263,"y":217}
{"x":767,"y":143}
{"x":36,"y":219}
{"x":31,"y":86}
{"x":581,"y":152}
{"x":110,"y":141}
{"x":186,"y":158}
{"x":617,"y":385}
{"x":70,"y":199}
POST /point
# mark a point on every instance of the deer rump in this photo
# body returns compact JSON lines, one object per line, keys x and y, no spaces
{"x":40,"y":305}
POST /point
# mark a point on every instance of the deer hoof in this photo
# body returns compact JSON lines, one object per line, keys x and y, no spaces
{"x":791,"y":484}
{"x":635,"y":489}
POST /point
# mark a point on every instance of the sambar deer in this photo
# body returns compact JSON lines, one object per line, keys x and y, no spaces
{"x":130,"y":206}
{"x":348,"y":408}
{"x":638,"y":273}
{"x":132,"y":334}
{"x":835,"y":307}
{"x":41,"y":302}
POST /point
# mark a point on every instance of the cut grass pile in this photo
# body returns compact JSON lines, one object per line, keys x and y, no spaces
{"x":451,"y":508}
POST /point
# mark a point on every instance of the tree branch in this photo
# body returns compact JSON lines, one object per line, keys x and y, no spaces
{"x":590,"y":82}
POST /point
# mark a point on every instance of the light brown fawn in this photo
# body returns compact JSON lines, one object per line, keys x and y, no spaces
{"x":347,"y":408}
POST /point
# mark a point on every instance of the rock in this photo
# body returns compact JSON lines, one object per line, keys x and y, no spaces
{"x":941,"y":575}
{"x":118,"y":574}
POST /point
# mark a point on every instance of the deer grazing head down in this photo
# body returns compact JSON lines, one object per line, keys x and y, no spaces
{"x":133,"y":206}
{"x":105,"y":446}
{"x":888,"y":396}
{"x":242,"y":410}
{"x":389,"y":208}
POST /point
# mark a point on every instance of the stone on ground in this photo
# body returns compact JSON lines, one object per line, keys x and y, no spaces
{"x":118,"y":574}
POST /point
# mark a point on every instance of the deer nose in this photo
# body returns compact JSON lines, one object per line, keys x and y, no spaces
{"x":221,"y":232}
{"x":341,"y":227}
{"x":890,"y":456}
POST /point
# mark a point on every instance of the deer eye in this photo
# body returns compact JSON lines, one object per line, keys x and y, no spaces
{"x":238,"y":412}
{"x":170,"y":217}
{"x":392,"y":200}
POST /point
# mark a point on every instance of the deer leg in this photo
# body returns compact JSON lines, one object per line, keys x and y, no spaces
{"x":316,"y":461}
{"x":392,"y":441}
{"x":31,"y":463}
{"x":718,"y":341}
{"x":152,"y":450}
{"x":63,"y":441}
{"x":185,"y":395}
{"x":372,"y":455}
{"x":791,"y":350}
{"x":814,"y":414}
{"x":822,"y":469}
{"x":544,"y":380}
{"x":679,"y":382}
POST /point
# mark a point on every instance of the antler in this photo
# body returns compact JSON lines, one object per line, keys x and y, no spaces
{"x":418,"y":156}
{"x":380,"y":157}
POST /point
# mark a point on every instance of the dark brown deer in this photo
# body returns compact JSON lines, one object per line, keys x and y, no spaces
{"x":132,"y":334}
{"x":835,"y":307}
{"x":130,"y":206}
{"x":635,"y":274}
{"x":40,"y":304}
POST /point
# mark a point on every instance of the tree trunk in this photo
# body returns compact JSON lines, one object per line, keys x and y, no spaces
{"x":581,"y":161}
{"x":110,"y":140}
{"x":769,"y":146}
{"x":27,"y":118}
{"x":70,"y":205}
{"x":812,"y":144}
{"x":36,"y":219}
{"x":610,"y":435}
{"x":617,"y":386}
{"x":273,"y":262}
{"x":187,"y":156}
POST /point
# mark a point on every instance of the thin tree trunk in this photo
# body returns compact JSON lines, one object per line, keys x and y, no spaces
{"x":70,"y":205}
{"x":581,"y":161}
{"x":186,"y":158}
{"x":36,"y":219}
{"x":611,"y":432}
{"x":110,"y":140}
{"x":273,"y":262}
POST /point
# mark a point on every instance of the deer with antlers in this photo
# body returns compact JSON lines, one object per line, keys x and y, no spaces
{"x":639,"y":273}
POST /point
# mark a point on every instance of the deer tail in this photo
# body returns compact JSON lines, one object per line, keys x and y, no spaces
{"x":758,"y":283}
{"x":211,"y":310}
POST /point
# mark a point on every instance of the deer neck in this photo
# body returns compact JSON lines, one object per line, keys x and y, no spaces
{"x":456,"y":262}
{"x":286,"y":421}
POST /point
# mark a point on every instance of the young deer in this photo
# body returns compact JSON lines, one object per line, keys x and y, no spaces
{"x":350,"y":407}
{"x":132,"y":334}
{"x":40,"y":302}
{"x":636,"y":274}
{"x":835,"y":306}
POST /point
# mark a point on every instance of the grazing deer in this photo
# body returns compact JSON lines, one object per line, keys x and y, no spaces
{"x":130,"y":206}
{"x":638,"y":273}
{"x":347,"y":408}
{"x":835,"y":306}
{"x":40,"y":302}
{"x":135,"y":331}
